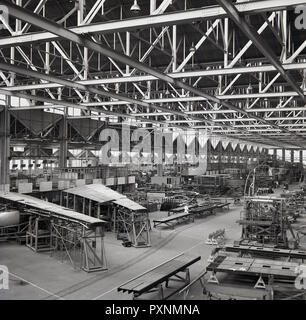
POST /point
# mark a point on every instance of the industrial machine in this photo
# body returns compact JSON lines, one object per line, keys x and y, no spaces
{"x":265,"y":220}
{"x":261,"y":176}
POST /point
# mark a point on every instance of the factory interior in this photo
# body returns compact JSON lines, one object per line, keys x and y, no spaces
{"x":152,"y":150}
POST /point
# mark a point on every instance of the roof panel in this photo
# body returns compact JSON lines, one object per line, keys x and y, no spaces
{"x":52,"y":208}
{"x":129,"y":204}
{"x":96,"y":192}
{"x":102,"y":194}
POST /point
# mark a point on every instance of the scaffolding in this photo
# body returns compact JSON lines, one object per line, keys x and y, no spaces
{"x":133,"y":225}
{"x":38,"y":237}
{"x":82,"y":246}
{"x":127,"y":218}
{"x":14,"y":232}
{"x":65,"y":239}
{"x":64,"y":233}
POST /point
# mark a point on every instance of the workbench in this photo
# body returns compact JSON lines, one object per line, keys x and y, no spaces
{"x":250,"y":267}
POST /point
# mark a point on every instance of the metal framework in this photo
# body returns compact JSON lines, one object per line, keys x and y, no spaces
{"x":265,"y":221}
{"x":270,"y":275}
{"x":135,"y":226}
{"x":131,"y":225}
{"x":236,"y":69}
{"x":83,"y":247}
{"x":64,"y":233}
{"x":67,"y":240}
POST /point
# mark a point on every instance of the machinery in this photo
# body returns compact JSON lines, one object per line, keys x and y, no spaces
{"x":259,"y":176}
{"x":265,"y":220}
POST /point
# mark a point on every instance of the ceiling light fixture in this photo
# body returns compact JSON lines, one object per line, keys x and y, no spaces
{"x":135,"y":7}
{"x":192,"y":48}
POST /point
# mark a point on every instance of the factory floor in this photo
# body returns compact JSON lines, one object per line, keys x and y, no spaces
{"x":39,"y":276}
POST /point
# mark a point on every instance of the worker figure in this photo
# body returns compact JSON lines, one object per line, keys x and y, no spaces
{"x":186,"y":210}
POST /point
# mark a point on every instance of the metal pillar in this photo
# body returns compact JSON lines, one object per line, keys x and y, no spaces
{"x":174,"y":48}
{"x":63,"y":150}
{"x":220,"y":153}
{"x":274,"y":155}
{"x":128,"y":50}
{"x":4,"y":148}
{"x":84,"y":205}
{"x":99,"y":211}
{"x":152,"y":6}
{"x":89,"y":208}
{"x":74,"y":202}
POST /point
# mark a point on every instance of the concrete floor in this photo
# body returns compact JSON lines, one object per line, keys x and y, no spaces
{"x":39,"y":276}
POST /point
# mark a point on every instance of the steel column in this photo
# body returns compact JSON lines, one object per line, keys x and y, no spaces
{"x":4,"y":147}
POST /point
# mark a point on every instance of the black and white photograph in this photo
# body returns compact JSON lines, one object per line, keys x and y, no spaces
{"x":152,"y":154}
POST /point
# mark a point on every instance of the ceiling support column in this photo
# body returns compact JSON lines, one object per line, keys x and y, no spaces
{"x":63,"y":149}
{"x":5,"y":147}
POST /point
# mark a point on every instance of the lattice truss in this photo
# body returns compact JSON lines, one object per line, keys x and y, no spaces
{"x":69,"y":241}
{"x":134,"y":225}
{"x":173,"y":64}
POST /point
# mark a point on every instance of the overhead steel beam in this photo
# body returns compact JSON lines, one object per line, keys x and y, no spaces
{"x":176,"y":75}
{"x":38,"y":21}
{"x":75,"y":85}
{"x":65,"y":104}
{"x":67,"y":83}
{"x":222,"y":111}
{"x":82,"y":40}
{"x":194,"y":99}
{"x":38,"y":8}
{"x":70,"y":84}
{"x":93,"y":90}
{"x":93,"y":11}
{"x":241,"y":120}
{"x":261,"y":45}
{"x":175,"y":18}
